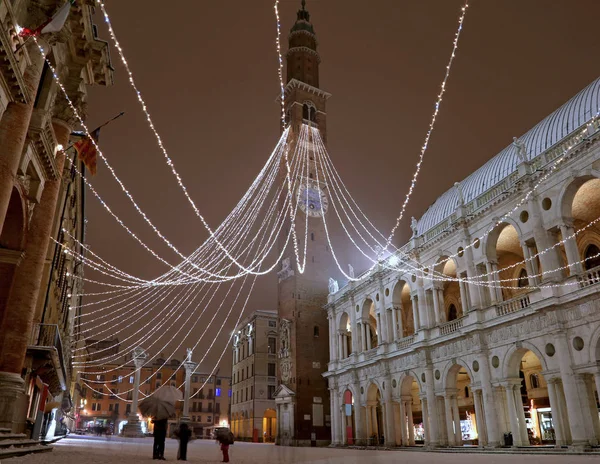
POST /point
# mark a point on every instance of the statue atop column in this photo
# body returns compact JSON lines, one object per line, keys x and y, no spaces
{"x":333,"y":286}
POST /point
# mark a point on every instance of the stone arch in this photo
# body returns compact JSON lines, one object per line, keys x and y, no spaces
{"x":513,"y":356}
{"x":505,"y":247}
{"x":448,"y":290}
{"x":401,"y":300}
{"x":374,"y":410}
{"x":13,"y":229}
{"x":370,"y":315}
{"x":405,"y":386}
{"x":451,"y":370}
{"x":343,"y":334}
{"x":594,"y":346}
{"x":568,"y":191}
{"x":579,"y":206}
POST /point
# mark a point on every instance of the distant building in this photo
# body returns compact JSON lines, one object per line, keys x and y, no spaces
{"x":106,"y":402}
{"x":209,"y":405}
{"x":254,"y":378}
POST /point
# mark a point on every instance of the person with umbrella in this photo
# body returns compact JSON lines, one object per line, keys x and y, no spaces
{"x":160,"y":406}
{"x":160,"y":434}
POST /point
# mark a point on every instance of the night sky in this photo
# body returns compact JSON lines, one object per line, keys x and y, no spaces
{"x":208,"y":72}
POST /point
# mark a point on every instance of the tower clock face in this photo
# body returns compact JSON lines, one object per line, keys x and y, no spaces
{"x":312,"y":200}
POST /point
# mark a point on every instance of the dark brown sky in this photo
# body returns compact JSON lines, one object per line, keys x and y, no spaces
{"x":208,"y":71}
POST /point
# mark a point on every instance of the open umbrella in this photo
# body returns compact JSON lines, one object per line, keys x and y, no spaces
{"x":156,"y":408}
{"x":161,"y":405}
{"x":168,"y":394}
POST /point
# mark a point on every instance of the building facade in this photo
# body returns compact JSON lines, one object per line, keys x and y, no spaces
{"x":254,"y":378}
{"x":35,"y":181}
{"x":488,"y":329}
{"x":106,"y":400}
{"x":302,"y":397}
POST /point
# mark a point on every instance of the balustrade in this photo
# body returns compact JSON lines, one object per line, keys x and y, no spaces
{"x":513,"y":305}
{"x":452,"y":326}
{"x":590,"y":277}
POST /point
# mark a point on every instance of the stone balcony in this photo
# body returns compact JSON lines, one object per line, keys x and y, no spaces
{"x":49,"y":361}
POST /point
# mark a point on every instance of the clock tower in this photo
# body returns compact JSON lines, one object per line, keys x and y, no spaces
{"x":303,"y":397}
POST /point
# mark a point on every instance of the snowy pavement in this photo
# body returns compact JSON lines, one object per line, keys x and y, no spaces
{"x":93,"y":450}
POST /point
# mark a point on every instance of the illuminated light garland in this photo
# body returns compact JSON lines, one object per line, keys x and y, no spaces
{"x":431,"y":127}
{"x":280,"y":66}
{"x":166,"y":155}
{"x":214,"y":339}
{"x":273,"y":205}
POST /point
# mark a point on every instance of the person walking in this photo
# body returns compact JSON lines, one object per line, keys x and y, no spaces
{"x":225,"y":439}
{"x":184,"y":433}
{"x":160,"y":434}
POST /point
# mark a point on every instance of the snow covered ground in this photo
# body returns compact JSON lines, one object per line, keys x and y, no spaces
{"x":93,"y":450}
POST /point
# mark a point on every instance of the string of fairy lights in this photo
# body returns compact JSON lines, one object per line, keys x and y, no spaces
{"x":216,"y":280}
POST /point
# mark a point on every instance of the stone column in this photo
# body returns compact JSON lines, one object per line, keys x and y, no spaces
{"x":14,"y":125}
{"x":497,"y":286}
{"x":555,"y":408}
{"x":436,"y":305}
{"x":390,"y":431}
{"x":575,"y":267}
{"x":359,"y":420}
{"x":345,"y":345}
{"x":422,"y":302}
{"x":190,"y":368}
{"x":491,"y":286}
{"x":133,"y":428}
{"x":336,"y":431}
{"x":464,"y":303}
{"x":449,"y":419}
{"x":456,"y":418}
{"x":580,"y":421}
{"x":403,"y":423}
{"x":479,"y":418}
{"x":411,"y":424}
{"x":528,"y":266}
{"x":340,"y":345}
{"x":432,"y":425}
{"x":512,"y":415}
{"x":489,"y":403}
{"x":368,"y":423}
{"x":443,"y":428}
{"x":394,"y":323}
{"x":368,"y":335}
{"x":415,"y":310}
{"x":521,"y":415}
{"x":426,"y":421}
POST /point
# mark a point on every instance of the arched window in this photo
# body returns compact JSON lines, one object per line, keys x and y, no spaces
{"x":316,"y":331}
{"x":523,"y":279}
{"x":534,"y":381}
{"x":592,"y":258}
{"x":452,"y":313}
{"x":309,"y":112}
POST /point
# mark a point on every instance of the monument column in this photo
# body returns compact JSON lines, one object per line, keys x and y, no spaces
{"x":190,"y":368}
{"x":133,"y":428}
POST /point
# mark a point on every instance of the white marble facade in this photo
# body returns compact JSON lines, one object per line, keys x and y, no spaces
{"x":418,"y":358}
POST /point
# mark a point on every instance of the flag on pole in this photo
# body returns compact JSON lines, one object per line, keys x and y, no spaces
{"x":86,"y":151}
{"x":53,"y":24}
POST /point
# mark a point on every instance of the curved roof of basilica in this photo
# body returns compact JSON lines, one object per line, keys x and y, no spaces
{"x":555,"y":127}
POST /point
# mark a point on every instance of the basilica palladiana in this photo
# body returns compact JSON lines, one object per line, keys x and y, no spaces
{"x":486,"y":328}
